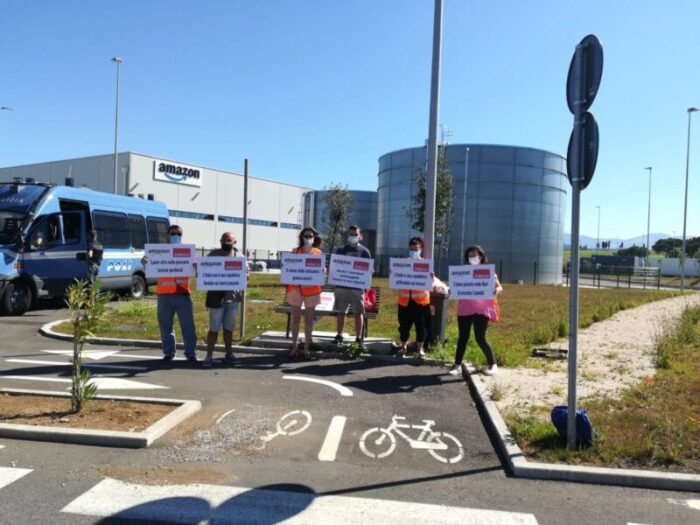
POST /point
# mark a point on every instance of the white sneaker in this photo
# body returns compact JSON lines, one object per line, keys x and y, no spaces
{"x":456,"y":370}
{"x":491,"y":370}
{"x":421,"y":354}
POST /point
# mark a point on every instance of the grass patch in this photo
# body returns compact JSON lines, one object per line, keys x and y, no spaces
{"x":531,"y":316}
{"x":655,"y":424}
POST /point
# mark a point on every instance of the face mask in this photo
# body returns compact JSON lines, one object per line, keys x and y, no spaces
{"x":413,"y":254}
{"x":175,"y":239}
{"x":354,"y":239}
{"x":227,"y":246}
{"x":475,"y":260}
{"x":308,"y":242}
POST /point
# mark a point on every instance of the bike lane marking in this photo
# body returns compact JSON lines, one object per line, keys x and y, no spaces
{"x":344,"y":391}
{"x":226,"y":504}
{"x":329,"y":449}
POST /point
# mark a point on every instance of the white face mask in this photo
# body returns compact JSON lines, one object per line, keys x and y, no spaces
{"x":413,"y":254}
{"x":353,"y":239}
{"x":475,"y":260}
{"x":308,"y":242}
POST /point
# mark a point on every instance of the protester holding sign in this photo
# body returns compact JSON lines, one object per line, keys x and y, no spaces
{"x":476,"y":313}
{"x":174,"y":297}
{"x":346,"y":297}
{"x":414,"y":306}
{"x":309,"y":296}
{"x":223,"y":306}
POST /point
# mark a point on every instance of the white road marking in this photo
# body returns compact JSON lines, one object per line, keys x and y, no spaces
{"x":90,"y":354}
{"x":344,"y":391}
{"x":692,"y":503}
{"x":102,"y":383}
{"x":2,"y":446}
{"x":329,"y":449}
{"x":223,"y":505}
{"x":224,"y":415}
{"x":10,"y":475}
{"x":89,"y":365}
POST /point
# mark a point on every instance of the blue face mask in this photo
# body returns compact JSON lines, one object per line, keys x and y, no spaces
{"x":175,"y":239}
{"x":413,"y":254}
{"x":354,"y":239}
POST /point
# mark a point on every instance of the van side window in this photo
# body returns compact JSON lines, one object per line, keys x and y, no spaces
{"x":137,"y":231}
{"x":46,"y":233}
{"x":71,"y":228}
{"x":157,"y":230}
{"x":112,"y":229}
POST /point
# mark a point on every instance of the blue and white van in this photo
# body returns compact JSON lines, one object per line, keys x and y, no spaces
{"x":43,"y":240}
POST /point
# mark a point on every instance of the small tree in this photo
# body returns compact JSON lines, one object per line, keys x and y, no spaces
{"x":338,"y":200}
{"x":444,"y":200}
{"x":86,"y":305}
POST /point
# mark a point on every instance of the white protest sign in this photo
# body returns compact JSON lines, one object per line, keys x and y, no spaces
{"x":303,"y":269}
{"x":352,"y":272}
{"x":473,"y":281}
{"x":169,"y":260}
{"x":411,"y":274}
{"x":222,"y":273}
{"x":327,"y":302}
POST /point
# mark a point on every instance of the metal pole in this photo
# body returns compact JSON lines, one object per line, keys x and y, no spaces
{"x":118,"y":61}
{"x":245,"y":240}
{"x":685,"y":206}
{"x":431,"y":175}
{"x":464,"y":205}
{"x":648,"y":216}
{"x":598,"y":237}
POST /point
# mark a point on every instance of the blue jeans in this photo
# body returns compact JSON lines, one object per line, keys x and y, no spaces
{"x":168,"y":306}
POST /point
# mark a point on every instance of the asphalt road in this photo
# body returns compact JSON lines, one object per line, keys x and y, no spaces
{"x":279,"y":440}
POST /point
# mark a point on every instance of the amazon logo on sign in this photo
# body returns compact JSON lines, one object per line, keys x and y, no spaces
{"x":178,"y":174}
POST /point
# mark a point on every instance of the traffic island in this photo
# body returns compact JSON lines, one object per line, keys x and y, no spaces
{"x":106,"y":420}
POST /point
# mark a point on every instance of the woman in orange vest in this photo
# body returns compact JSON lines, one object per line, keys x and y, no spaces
{"x":310,"y":296}
{"x":414,"y":306}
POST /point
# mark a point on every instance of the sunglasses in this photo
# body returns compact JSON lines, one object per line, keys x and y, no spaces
{"x":308,"y":236}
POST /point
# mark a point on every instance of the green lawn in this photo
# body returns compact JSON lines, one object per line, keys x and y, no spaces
{"x":530,"y":316}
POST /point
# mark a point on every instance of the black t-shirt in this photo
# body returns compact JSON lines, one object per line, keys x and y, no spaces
{"x":97,"y":252}
{"x":221,"y":296}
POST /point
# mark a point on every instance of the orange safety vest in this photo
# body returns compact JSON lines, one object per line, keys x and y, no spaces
{"x":173,"y":285}
{"x":306,"y":290}
{"x":421,"y":297}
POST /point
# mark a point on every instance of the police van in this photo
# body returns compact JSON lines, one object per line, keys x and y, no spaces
{"x":43,"y":240}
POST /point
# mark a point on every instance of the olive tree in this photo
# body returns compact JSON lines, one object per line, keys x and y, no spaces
{"x":338,"y":200}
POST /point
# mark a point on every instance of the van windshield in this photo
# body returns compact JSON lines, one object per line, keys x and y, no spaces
{"x":15,"y":202}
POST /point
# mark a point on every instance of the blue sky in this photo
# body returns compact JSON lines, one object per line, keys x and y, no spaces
{"x":314,"y":91}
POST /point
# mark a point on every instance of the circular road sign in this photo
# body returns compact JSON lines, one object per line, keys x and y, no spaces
{"x":589,"y":153}
{"x":592,"y":71}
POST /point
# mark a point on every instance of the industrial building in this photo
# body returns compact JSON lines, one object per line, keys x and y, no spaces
{"x":205,"y":201}
{"x":510,"y":200}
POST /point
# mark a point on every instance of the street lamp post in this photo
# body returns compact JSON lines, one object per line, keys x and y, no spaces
{"x":598,"y":238}
{"x":118,"y":61}
{"x":648,"y":214}
{"x":685,"y":205}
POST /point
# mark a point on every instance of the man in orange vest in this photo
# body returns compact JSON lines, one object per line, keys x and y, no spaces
{"x":174,"y":297}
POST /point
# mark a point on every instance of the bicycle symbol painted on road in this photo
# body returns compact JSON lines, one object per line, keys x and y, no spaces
{"x":379,"y":442}
{"x":290,"y":424}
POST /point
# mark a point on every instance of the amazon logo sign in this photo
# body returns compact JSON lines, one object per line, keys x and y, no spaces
{"x":178,"y":174}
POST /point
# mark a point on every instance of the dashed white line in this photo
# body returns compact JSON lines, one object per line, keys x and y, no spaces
{"x":344,"y":391}
{"x":106,"y":383}
{"x":88,"y":365}
{"x":329,"y":449}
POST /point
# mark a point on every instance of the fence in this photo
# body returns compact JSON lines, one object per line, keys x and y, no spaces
{"x":619,"y":277}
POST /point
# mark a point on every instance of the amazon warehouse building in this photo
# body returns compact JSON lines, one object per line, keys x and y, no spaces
{"x":509,"y":199}
{"x":206,"y":202}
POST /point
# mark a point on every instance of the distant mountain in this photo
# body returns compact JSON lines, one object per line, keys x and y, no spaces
{"x":585,"y":240}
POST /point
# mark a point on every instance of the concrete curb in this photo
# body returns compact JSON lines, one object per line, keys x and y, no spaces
{"x":522,"y":468}
{"x":47,"y":331}
{"x":105,"y":438}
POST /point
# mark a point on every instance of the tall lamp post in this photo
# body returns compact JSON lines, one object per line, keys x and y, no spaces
{"x":598,"y":238}
{"x":648,"y":214}
{"x":118,"y":61}
{"x":685,"y":205}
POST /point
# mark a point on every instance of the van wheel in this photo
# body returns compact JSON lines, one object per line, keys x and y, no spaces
{"x":138,"y":287}
{"x":17,"y":298}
